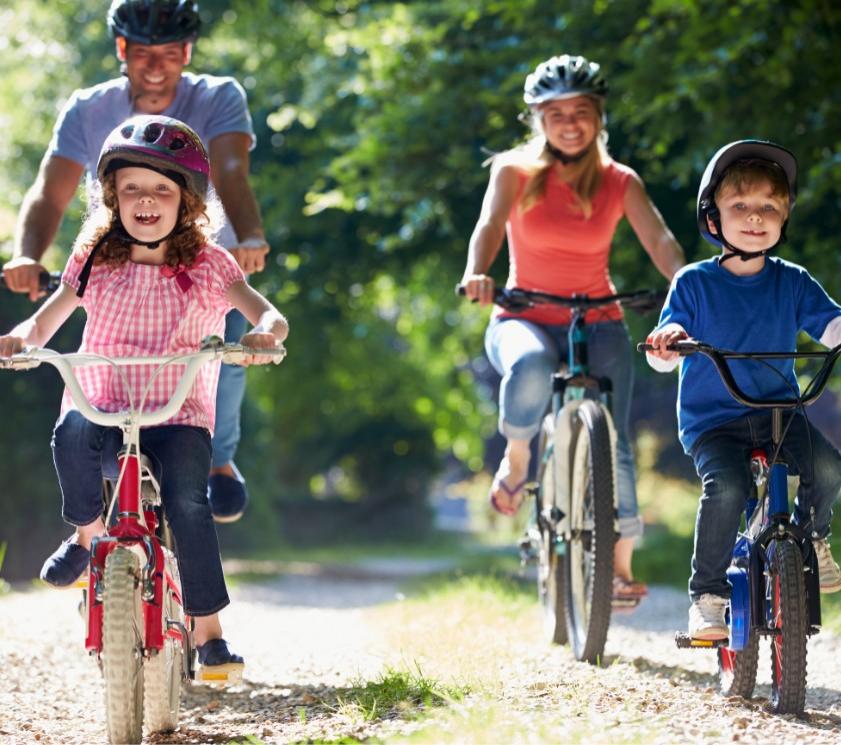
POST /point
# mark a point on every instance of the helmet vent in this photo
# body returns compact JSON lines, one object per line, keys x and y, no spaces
{"x":176,"y":144}
{"x":127,"y":131}
{"x":152,"y":132}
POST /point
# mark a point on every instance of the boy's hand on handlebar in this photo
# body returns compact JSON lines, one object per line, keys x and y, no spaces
{"x":24,"y":275}
{"x":259,"y":340}
{"x":10,"y":345}
{"x":479,"y":288}
{"x":662,"y":338}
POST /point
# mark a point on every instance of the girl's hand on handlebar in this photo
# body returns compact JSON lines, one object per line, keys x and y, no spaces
{"x":660,"y":339}
{"x":259,"y":340}
{"x":479,"y":288}
{"x":10,"y":345}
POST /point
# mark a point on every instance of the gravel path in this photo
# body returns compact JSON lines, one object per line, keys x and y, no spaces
{"x":307,"y":637}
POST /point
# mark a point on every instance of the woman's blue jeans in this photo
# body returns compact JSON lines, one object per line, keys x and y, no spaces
{"x":526,"y":354}
{"x":722,"y":457}
{"x":84,"y":452}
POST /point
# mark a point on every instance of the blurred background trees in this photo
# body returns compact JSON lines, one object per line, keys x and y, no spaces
{"x":373,"y":120}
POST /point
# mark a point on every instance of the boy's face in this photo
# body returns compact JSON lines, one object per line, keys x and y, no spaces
{"x":751,"y":219}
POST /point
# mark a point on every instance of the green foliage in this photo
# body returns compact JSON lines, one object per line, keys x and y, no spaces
{"x":373,"y":119}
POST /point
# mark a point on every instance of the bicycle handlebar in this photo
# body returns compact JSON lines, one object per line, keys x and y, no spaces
{"x":47,"y":282}
{"x":719,"y":358}
{"x":64,"y":364}
{"x":517,"y":300}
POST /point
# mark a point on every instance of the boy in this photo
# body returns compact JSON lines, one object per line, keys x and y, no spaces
{"x":743,"y":300}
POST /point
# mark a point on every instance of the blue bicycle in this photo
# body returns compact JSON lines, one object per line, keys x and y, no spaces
{"x":774,"y":570}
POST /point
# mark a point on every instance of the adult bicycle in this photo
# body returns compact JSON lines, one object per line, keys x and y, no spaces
{"x":574,"y":523}
{"x":132,"y":602}
{"x":774,"y":569}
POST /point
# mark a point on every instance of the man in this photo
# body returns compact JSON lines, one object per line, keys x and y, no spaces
{"x":154,"y":41}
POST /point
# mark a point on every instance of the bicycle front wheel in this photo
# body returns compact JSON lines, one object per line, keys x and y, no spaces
{"x":551,"y":573}
{"x":786,"y":597}
{"x":163,"y":671}
{"x":589,"y":559}
{"x":122,"y":647}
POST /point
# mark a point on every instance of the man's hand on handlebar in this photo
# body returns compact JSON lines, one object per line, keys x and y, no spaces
{"x":22,"y":274}
{"x":479,"y":288}
{"x":661,"y":339}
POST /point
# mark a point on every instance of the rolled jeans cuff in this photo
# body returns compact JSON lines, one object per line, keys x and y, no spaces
{"x":630,"y":527}
{"x":513,"y":432}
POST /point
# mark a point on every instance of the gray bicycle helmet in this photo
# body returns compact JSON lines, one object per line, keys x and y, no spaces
{"x":564,"y":76}
{"x":154,"y":21}
{"x":721,"y":161}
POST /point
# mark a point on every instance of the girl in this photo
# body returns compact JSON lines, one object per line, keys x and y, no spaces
{"x":151,"y":283}
{"x":560,"y":198}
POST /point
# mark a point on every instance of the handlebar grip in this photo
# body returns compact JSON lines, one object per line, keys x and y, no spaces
{"x":47,"y":282}
{"x":460,"y":290}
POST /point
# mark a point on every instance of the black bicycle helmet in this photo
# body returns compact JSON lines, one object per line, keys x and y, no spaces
{"x":564,"y":76}
{"x":154,"y":21}
{"x":721,"y":161}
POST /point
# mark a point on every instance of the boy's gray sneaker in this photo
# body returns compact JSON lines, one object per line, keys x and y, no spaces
{"x":828,"y":571}
{"x":706,"y":618}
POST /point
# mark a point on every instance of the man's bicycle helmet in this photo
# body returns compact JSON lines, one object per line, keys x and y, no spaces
{"x":721,"y":161}
{"x":154,"y":21}
{"x":161,"y":143}
{"x":564,"y":76}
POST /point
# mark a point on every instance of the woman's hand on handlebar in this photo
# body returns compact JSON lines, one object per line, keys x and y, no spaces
{"x":661,"y":339}
{"x":479,"y":288}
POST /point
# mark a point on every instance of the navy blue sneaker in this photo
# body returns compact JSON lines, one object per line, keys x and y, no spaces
{"x":217,"y":664}
{"x":66,"y":564}
{"x":227,"y":495}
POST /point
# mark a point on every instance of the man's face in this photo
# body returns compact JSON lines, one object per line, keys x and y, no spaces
{"x":153,"y":71}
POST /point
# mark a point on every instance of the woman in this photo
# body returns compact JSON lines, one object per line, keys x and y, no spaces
{"x":559,"y":199}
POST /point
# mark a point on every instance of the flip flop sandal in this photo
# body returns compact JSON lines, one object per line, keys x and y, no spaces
{"x":511,"y":492}
{"x":627,"y":594}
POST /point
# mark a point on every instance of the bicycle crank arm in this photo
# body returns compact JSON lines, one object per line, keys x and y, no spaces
{"x":684,"y":641}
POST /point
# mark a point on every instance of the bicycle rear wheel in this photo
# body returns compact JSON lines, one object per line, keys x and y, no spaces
{"x":162,"y":672}
{"x":551,"y":573}
{"x":122,"y":647}
{"x":786,"y":594}
{"x":589,"y":559}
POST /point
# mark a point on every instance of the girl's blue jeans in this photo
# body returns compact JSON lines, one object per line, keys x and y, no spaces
{"x":85,"y":452}
{"x":526,"y":354}
{"x":722,"y":457}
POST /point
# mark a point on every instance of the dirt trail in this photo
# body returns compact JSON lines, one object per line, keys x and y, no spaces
{"x":306,"y":639}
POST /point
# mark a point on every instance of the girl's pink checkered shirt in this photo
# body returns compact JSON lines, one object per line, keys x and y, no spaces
{"x":145,"y":309}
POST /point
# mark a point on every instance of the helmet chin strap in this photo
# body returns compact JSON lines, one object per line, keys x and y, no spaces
{"x":563,"y":157}
{"x":743,"y":255}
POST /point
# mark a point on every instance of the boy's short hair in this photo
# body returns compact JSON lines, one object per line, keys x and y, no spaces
{"x":744,"y":174}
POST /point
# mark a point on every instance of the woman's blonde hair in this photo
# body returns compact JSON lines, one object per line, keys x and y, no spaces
{"x":194,"y":228}
{"x":584,"y":176}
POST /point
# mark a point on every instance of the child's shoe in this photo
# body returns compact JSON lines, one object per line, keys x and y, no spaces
{"x":706,"y":618}
{"x":66,"y":564}
{"x":217,"y":664}
{"x":828,"y":570}
{"x":227,"y":495}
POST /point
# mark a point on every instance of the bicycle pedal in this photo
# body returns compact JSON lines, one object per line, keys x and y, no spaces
{"x":220,"y":675}
{"x":684,"y":641}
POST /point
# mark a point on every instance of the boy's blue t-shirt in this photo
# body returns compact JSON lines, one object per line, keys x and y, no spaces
{"x":759,"y":313}
{"x":211,"y":105}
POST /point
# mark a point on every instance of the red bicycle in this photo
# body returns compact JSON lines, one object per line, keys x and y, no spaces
{"x":136,"y":625}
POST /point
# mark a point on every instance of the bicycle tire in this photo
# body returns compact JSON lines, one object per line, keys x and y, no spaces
{"x":551,"y":572}
{"x":787,"y":593}
{"x":122,"y":647}
{"x":589,"y":555}
{"x":162,"y":672}
{"x":737,"y":670}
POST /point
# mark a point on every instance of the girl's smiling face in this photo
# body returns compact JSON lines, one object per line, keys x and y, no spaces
{"x":570,"y":124}
{"x":752,"y":218}
{"x":148,"y":203}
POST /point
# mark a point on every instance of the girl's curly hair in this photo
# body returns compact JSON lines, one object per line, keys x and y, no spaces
{"x":194,"y":229}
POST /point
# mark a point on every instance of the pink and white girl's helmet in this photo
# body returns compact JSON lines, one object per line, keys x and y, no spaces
{"x":164,"y":144}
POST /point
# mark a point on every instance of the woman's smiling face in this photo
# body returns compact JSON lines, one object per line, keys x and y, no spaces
{"x":148,"y":203}
{"x":570,"y":124}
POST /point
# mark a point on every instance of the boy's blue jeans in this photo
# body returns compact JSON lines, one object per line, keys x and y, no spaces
{"x":229,"y":397}
{"x":722,"y":457}
{"x":84,"y":452}
{"x":526,"y":354}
